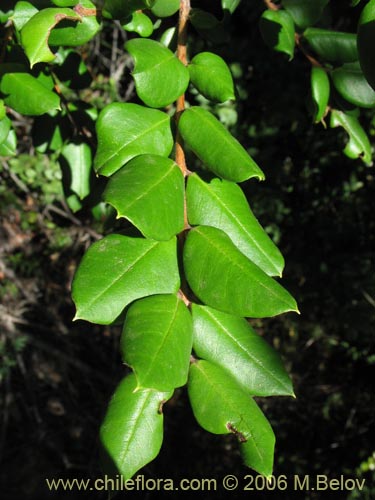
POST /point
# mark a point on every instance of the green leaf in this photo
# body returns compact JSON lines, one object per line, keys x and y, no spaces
{"x":9,"y":146}
{"x":140,"y":23}
{"x":230,"y":5}
{"x":353,"y":86}
{"x":79,"y":160}
{"x":277,"y":29}
{"x":65,"y":3}
{"x":366,"y":42}
{"x":5,"y":125}
{"x":216,"y":147}
{"x":223,"y":205}
{"x":221,"y":406}
{"x":26,"y":95}
{"x":72,"y":34}
{"x":128,"y":130}
{"x":36,"y":32}
{"x":208,"y":26}
{"x":149,"y":192}
{"x":222,"y":277}
{"x":156,"y":342}
{"x":160,"y":78}
{"x":3,"y":111}
{"x":320,"y":91}
{"x":130,"y":268}
{"x":132,"y":431}
{"x":230,"y":342}
{"x":358,"y":145}
{"x":211,"y":76}
{"x":120,"y":9}
{"x":332,"y":46}
{"x":165,"y":8}
{"x":23,"y":11}
{"x":305,"y":12}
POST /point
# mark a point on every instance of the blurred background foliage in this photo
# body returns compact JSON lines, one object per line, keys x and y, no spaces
{"x":316,"y":204}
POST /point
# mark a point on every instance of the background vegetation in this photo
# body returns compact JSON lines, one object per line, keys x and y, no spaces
{"x":56,"y":377}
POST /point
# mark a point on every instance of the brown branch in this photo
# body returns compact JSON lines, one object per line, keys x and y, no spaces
{"x":272,"y":6}
{"x":311,"y":59}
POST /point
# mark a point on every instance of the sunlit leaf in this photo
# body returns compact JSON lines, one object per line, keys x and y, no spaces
{"x":156,"y":342}
{"x":132,"y":431}
{"x":210,"y":74}
{"x":23,"y":11}
{"x":223,"y":205}
{"x":332,"y":46}
{"x":130,"y":268}
{"x":305,"y":12}
{"x":221,"y":406}
{"x":140,"y":23}
{"x":230,"y":5}
{"x":277,"y":29}
{"x":149,"y":191}
{"x":216,"y":147}
{"x":160,"y":78}
{"x":128,"y":130}
{"x":165,"y":8}
{"x":78,"y":157}
{"x":353,"y":86}
{"x":9,"y":146}
{"x":320,"y":91}
{"x":5,"y":125}
{"x":223,"y":278}
{"x":366,"y":42}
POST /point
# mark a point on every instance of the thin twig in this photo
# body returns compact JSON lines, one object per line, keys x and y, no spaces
{"x":271,"y":5}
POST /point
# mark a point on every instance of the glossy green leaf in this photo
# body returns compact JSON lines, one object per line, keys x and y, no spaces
{"x":320,"y":92}
{"x":26,"y":95}
{"x":36,"y":32}
{"x":160,"y":78}
{"x":169,"y":37}
{"x":130,"y":268}
{"x":165,"y":8}
{"x":366,"y":42}
{"x":132,"y":431}
{"x":230,"y":5}
{"x":277,"y":29}
{"x":65,"y":3}
{"x":23,"y":11}
{"x":332,"y":46}
{"x":305,"y":12}
{"x":221,"y":406}
{"x":140,"y":23}
{"x":223,"y":278}
{"x":208,"y":26}
{"x":211,"y":76}
{"x":3,"y":111}
{"x":358,"y":145}
{"x":71,"y":33}
{"x":120,"y":9}
{"x":128,"y":130}
{"x":216,"y":147}
{"x":5,"y":125}
{"x":79,"y":160}
{"x":223,"y":205}
{"x":157,"y":340}
{"x":149,"y":192}
{"x":230,"y":342}
{"x":9,"y":146}
{"x":353,"y":86}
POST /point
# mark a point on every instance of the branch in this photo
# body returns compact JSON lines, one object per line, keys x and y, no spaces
{"x":272,"y":6}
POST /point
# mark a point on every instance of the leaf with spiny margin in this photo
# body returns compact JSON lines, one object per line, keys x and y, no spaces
{"x":332,"y":46}
{"x":211,"y":76}
{"x":120,"y":9}
{"x":23,"y":12}
{"x":305,"y":12}
{"x":165,"y":8}
{"x":223,"y":278}
{"x":230,"y":342}
{"x":278,"y":32}
{"x":36,"y":32}
{"x":156,"y":342}
{"x":320,"y":91}
{"x":351,"y":83}
{"x":366,"y":42}
{"x":140,"y":23}
{"x":72,"y":34}
{"x":160,"y":78}
{"x":26,"y":95}
{"x":358,"y":145}
{"x":216,"y":147}
{"x":149,"y":192}
{"x":132,"y":430}
{"x":127,"y":130}
{"x":223,"y":205}
{"x":117,"y":270}
{"x":221,"y":406}
{"x":78,"y":157}
{"x":230,"y":5}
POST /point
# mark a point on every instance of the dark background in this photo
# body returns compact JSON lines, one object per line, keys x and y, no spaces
{"x":57,"y":376}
